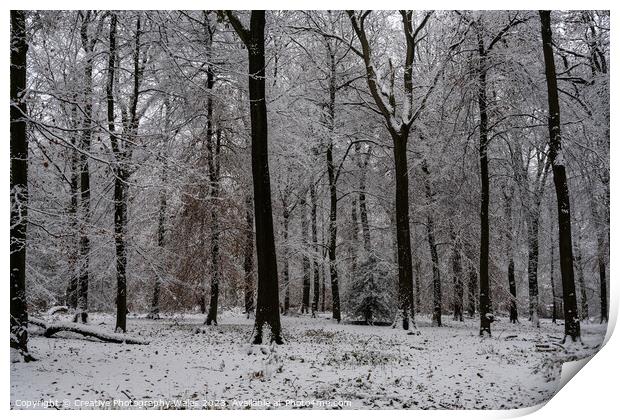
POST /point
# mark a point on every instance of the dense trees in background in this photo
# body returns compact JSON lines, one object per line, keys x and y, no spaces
{"x":404,"y":171}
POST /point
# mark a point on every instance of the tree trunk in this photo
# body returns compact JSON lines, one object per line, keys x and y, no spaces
{"x":267,"y":308}
{"x":305,"y":261}
{"x":286,"y":270}
{"x":554,"y":307}
{"x":315,"y":264}
{"x":362,"y":199}
{"x":403,"y":238}
{"x":87,"y":45}
{"x":72,"y":287}
{"x":161,"y":221}
{"x":457,"y":273}
{"x":532,"y":264}
{"x":213,"y":151}
{"x":19,"y":185}
{"x":333,"y":196}
{"x":471,"y":291}
{"x":248,"y":261}
{"x":584,"y":315}
{"x":430,"y":231}
{"x":120,"y":179}
{"x":512,"y":285}
{"x":486,"y":316}
{"x":571,"y":320}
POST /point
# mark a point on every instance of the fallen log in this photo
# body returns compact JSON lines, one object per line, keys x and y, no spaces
{"x":85,"y":330}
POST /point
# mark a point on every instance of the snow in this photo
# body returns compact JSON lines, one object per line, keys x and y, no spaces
{"x":322,"y":365}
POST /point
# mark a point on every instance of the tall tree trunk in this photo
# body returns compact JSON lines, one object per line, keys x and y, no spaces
{"x":512,"y":285}
{"x":267,"y":304}
{"x":286,"y":269}
{"x":305,"y":261}
{"x":486,"y":316}
{"x":554,"y":307}
{"x":362,"y":198}
{"x":572,"y":327}
{"x":84,"y":269}
{"x":317,"y":253}
{"x":353,"y":239}
{"x":457,"y":276}
{"x":430,"y":231}
{"x":601,"y":254}
{"x":333,"y":196}
{"x":471,"y":291}
{"x":161,"y":220}
{"x":403,"y":239}
{"x":248,"y":260}
{"x":120,"y":177}
{"x":215,"y":236}
{"x":19,"y":185}
{"x":584,"y":315}
{"x":72,"y":287}
{"x":532,"y":263}
{"x":213,"y":149}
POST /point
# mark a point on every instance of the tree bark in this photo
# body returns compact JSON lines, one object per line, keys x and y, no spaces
{"x":430,"y":231}
{"x":583,"y":315}
{"x":572,"y":327}
{"x":286,"y":269}
{"x":248,"y":261}
{"x":512,"y":285}
{"x":457,"y":273}
{"x":486,"y":316}
{"x":554,"y":307}
{"x":72,"y":287}
{"x":315,"y":264}
{"x":305,"y":261}
{"x":333,"y":195}
{"x":84,"y":266}
{"x":267,"y":308}
{"x":19,"y":185}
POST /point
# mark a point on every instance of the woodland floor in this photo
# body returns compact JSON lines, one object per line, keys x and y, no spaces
{"x":322,"y":365}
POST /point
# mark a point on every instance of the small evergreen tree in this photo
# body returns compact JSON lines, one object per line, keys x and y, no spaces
{"x":370,"y":294}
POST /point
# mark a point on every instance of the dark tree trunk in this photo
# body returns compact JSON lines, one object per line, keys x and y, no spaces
{"x":353,"y":240}
{"x":286,"y":269}
{"x":532,"y":264}
{"x":601,"y":254}
{"x":584,"y":315}
{"x":120,"y":179}
{"x":471,"y":291}
{"x":362,"y":199}
{"x":84,"y":266}
{"x":305,"y":261}
{"x":213,"y":150}
{"x":457,"y":279}
{"x":72,"y":287}
{"x":248,"y":261}
{"x":572,"y":327}
{"x":512,"y":285}
{"x":486,"y":316}
{"x":315,"y":244}
{"x":333,"y":196}
{"x":267,"y":303}
{"x":161,"y":221}
{"x":19,"y":185}
{"x":430,"y":231}
{"x":554,"y":307}
{"x":403,"y":239}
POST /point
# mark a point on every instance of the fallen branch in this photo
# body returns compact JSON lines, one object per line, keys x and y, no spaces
{"x":85,"y":330}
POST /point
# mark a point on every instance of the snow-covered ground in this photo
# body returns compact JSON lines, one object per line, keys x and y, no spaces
{"x":322,"y":365}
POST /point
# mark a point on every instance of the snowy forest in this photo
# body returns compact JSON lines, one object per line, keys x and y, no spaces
{"x":306,"y":209}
